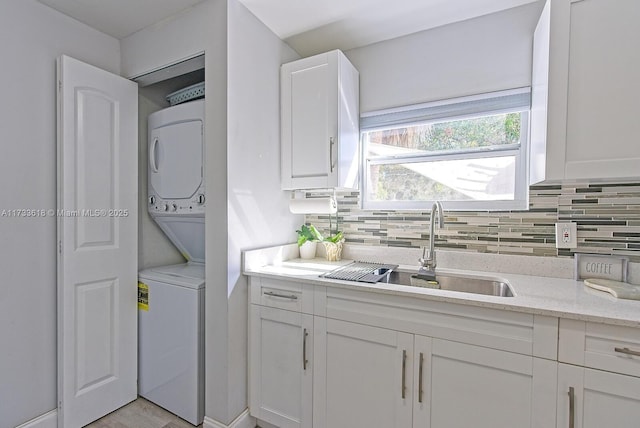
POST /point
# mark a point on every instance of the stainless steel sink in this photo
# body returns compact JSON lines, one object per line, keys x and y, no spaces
{"x":453,"y":282}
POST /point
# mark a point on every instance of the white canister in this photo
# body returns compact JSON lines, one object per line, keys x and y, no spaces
{"x":308,"y":250}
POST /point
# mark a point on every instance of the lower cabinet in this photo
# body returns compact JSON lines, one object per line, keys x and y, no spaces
{"x":373,"y":377}
{"x":280,"y":366}
{"x":347,"y":359}
{"x":470,"y":386}
{"x":363,"y":376}
{"x":589,"y":398}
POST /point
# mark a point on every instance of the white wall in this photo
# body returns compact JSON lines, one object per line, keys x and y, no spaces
{"x":172,"y":40}
{"x":484,"y":54}
{"x":33,"y":35}
{"x":258,"y":213}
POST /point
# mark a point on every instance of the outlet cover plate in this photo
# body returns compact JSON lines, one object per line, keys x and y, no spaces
{"x":566,"y":235}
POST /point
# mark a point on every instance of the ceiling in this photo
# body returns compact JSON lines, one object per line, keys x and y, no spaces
{"x":119,"y":18}
{"x":309,"y":26}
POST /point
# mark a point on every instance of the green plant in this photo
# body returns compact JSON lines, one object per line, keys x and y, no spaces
{"x":334,"y":238}
{"x":308,"y":234}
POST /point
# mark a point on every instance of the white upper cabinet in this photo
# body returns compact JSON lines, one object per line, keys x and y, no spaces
{"x":585,"y":90}
{"x":320,"y":122}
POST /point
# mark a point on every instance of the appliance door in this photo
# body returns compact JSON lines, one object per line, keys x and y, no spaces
{"x":175,"y":159}
{"x":170,"y":356}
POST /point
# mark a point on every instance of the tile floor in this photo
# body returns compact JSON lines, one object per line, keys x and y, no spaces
{"x":141,"y":414}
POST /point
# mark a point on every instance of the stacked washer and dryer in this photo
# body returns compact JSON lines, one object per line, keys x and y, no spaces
{"x":171,"y":316}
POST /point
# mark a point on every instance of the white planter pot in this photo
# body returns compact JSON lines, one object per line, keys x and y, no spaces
{"x":308,"y":250}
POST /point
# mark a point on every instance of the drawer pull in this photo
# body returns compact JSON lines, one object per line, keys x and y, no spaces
{"x":404,"y":372}
{"x":282,"y":296}
{"x":627,"y":351}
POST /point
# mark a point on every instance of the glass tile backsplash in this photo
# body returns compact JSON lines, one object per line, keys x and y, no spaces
{"x":607,"y":215}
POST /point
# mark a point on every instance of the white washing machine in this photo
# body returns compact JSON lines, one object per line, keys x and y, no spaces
{"x":171,"y":298}
{"x":171,"y":340}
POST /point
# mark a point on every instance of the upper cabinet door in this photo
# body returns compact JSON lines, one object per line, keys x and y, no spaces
{"x":320,"y":122}
{"x":585,"y":90}
{"x":98,"y":233}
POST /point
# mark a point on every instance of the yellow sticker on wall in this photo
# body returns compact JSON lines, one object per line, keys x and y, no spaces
{"x":143,"y":296}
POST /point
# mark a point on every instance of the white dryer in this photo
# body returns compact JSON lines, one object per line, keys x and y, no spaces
{"x":176,"y":176}
{"x":171,"y":315}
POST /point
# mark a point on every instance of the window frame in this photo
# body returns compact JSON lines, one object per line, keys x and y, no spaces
{"x":519,"y":150}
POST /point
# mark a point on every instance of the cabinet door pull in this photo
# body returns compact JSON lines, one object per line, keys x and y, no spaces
{"x":572,"y":407}
{"x":305,"y":333}
{"x":404,"y":372}
{"x":420,"y":378}
{"x":282,"y":296}
{"x":627,"y":351}
{"x":331,"y":163}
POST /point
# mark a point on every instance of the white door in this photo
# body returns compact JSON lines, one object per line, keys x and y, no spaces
{"x":280,"y":361}
{"x":470,"y":386}
{"x":97,"y":233}
{"x":309,"y":96}
{"x":594,"y":399}
{"x":363,"y":376}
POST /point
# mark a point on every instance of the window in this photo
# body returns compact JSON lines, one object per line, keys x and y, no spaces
{"x":470,"y":153}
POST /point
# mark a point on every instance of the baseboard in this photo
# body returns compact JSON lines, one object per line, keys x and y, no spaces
{"x":48,"y":420}
{"x":242,"y":421}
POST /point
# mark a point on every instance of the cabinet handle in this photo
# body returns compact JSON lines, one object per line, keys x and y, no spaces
{"x":572,"y":407}
{"x":282,"y":296}
{"x":331,"y":163}
{"x":304,"y":349}
{"x":420,"y":378}
{"x":404,"y":372}
{"x":627,"y":351}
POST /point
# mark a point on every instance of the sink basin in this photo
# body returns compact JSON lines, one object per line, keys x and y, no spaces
{"x":453,"y":282}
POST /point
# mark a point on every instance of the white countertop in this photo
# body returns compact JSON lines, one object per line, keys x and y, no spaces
{"x":558,"y":297}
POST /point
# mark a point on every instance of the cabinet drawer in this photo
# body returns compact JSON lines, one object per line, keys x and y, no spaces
{"x":600,"y":346}
{"x":289,"y":295}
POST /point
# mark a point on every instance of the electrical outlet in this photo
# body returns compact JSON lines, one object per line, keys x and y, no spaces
{"x":566,"y":235}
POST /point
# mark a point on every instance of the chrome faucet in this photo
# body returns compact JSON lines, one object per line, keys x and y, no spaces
{"x":428,"y":260}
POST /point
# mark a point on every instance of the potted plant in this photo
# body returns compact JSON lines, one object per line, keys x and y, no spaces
{"x":308,"y":238}
{"x":333,"y":246}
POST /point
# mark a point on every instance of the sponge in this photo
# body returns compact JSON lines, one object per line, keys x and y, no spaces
{"x":426,"y":281}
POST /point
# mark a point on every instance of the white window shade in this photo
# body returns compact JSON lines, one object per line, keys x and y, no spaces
{"x":496,"y":102}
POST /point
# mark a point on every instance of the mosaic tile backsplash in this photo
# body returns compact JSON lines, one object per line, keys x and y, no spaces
{"x":607,"y":215}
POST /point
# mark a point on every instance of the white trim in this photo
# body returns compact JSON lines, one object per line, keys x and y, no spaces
{"x":242,"y":421}
{"x":48,"y":420}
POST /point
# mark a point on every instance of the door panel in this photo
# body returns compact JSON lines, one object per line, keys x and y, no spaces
{"x":465,"y":385}
{"x":600,"y":399}
{"x":97,"y":251}
{"x":310,"y":109}
{"x":281,"y":364}
{"x":359,"y":376}
{"x":96,"y":147}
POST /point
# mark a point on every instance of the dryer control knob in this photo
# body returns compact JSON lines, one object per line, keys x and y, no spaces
{"x":165,"y":207}
{"x":201,"y":199}
{"x":174,"y":207}
{"x":152,"y":200}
